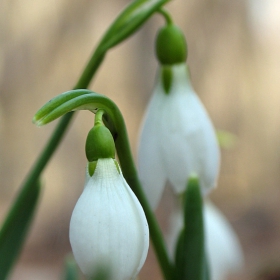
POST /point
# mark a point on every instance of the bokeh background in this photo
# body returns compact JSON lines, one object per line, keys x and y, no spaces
{"x":234,"y":57}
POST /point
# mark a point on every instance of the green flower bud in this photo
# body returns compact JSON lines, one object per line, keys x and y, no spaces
{"x":99,"y":143}
{"x":171,"y":46}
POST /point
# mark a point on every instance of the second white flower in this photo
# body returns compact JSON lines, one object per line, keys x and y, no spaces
{"x":177,"y":139}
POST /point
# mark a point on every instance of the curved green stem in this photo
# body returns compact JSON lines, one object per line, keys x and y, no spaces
{"x":85,"y":99}
{"x":63,"y":124}
{"x":99,"y":117}
{"x":129,"y":20}
{"x":46,"y":154}
{"x":166,"y":15}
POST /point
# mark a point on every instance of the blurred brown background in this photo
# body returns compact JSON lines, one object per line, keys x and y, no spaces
{"x":234,"y":57}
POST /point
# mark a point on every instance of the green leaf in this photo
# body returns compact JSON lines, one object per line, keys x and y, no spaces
{"x":16,"y":226}
{"x":129,"y":20}
{"x":126,"y":23}
{"x":80,"y":99}
{"x":53,"y":103}
{"x":190,"y":259}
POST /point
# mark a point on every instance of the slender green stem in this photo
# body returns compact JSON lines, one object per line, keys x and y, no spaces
{"x":63,"y":124}
{"x":166,"y":15}
{"x":90,"y":69}
{"x":99,"y":117}
{"x":46,"y":154}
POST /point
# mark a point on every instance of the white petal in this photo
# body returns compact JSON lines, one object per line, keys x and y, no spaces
{"x":189,"y":143}
{"x":150,"y":164}
{"x":108,"y":226}
{"x":175,"y":227}
{"x":224,"y":251}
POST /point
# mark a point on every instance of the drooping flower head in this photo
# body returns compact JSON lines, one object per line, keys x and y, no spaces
{"x":108,"y":228}
{"x":177,"y":137}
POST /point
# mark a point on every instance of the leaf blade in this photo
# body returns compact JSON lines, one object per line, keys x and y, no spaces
{"x":129,"y":20}
{"x":16,"y":226}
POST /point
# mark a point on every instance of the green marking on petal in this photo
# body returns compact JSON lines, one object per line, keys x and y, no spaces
{"x":91,"y":167}
{"x":167,"y":77}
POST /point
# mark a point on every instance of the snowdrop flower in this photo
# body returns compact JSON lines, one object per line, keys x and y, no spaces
{"x":177,"y":139}
{"x":223,"y":249}
{"x":108,"y":227}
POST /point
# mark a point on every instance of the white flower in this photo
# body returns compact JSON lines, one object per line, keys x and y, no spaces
{"x":177,"y":139}
{"x":223,"y":249}
{"x":108,"y":227}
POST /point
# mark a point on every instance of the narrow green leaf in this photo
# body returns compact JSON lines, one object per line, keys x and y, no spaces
{"x":129,"y":20}
{"x":190,"y":247}
{"x":53,"y":103}
{"x":69,"y":101}
{"x":16,"y":226}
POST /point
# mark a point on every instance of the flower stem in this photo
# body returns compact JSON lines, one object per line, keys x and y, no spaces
{"x":63,"y":124}
{"x":99,"y":117}
{"x":166,"y":15}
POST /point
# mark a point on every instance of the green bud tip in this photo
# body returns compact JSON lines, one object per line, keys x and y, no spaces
{"x":99,"y":143}
{"x":171,"y":46}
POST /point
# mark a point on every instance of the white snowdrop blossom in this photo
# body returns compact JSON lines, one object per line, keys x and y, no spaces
{"x":177,"y":139}
{"x":222,"y":246}
{"x":108,"y":227}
